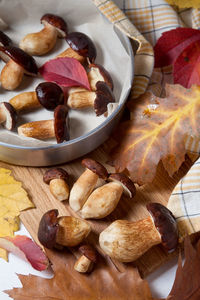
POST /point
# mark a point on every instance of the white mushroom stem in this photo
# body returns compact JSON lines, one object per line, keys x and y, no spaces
{"x":59,"y":189}
{"x":81,"y":189}
{"x":94,"y":76}
{"x":25,"y":101}
{"x":127,"y":241}
{"x":81,"y":99}
{"x":11,"y":75}
{"x":39,"y":129}
{"x":41,"y":42}
{"x":69,"y":52}
{"x":102,"y":201}
{"x":83,"y":264}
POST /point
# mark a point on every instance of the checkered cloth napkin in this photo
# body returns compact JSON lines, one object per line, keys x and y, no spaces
{"x":143,"y":21}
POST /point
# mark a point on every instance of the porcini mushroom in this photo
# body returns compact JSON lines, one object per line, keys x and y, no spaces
{"x":19,"y":63}
{"x":56,"y":178}
{"x":98,"y":99}
{"x":86,"y":260}
{"x":81,"y":47}
{"x":4,"y":39}
{"x":47,"y":94}
{"x":47,"y":129}
{"x":127,"y":241}
{"x":65,"y":231}
{"x":104,"y":199}
{"x":85,"y":184}
{"x":8,"y":116}
{"x":99,"y":73}
{"x":42,"y":42}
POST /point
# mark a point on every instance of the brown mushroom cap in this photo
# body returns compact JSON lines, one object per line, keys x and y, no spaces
{"x":165,"y":223}
{"x":55,"y":173}
{"x":82,"y":44}
{"x":61,"y":126}
{"x":8,"y":112}
{"x":104,"y":95}
{"x":126,"y":182}
{"x":4,"y":39}
{"x":89,"y":252}
{"x":95,"y":167}
{"x":56,"y":22}
{"x":104,"y":73}
{"x":50,"y":95}
{"x":20,"y":57}
{"x":48,"y":228}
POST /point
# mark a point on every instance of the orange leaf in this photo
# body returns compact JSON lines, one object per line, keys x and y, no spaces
{"x":157,"y":132}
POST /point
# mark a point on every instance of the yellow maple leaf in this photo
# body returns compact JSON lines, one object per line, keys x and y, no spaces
{"x":13,"y":200}
{"x":185,"y":3}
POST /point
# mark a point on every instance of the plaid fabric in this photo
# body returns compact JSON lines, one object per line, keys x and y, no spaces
{"x":143,"y":21}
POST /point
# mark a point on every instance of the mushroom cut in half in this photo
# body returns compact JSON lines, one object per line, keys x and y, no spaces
{"x":127,"y":241}
{"x":40,"y":43}
{"x":18,"y":63}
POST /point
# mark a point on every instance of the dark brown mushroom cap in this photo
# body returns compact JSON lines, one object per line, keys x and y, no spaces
{"x":104,"y":95}
{"x":89,"y":252}
{"x":126,"y":182}
{"x":57,"y":22}
{"x":165,"y":223}
{"x":104,"y":73}
{"x":8,"y":113}
{"x":82,"y":44}
{"x":61,"y":125}
{"x":48,"y":228}
{"x":95,"y":167}
{"x":50,"y":95}
{"x":55,"y":173}
{"x":4,"y":39}
{"x":22,"y":58}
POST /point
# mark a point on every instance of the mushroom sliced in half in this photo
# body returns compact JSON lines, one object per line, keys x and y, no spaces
{"x":42,"y":42}
{"x":8,"y":116}
{"x":66,"y":231}
{"x":85,"y":184}
{"x":127,"y":241}
{"x":18,"y":63}
{"x":81,"y":47}
{"x":47,"y":94}
{"x":98,"y":99}
{"x":104,"y":199}
{"x":99,"y":73}
{"x":47,"y":129}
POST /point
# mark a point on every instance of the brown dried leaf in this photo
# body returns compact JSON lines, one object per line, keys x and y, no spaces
{"x":104,"y":283}
{"x":157,"y":132}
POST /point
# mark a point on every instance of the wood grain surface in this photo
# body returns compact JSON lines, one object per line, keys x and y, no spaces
{"x":131,"y":209}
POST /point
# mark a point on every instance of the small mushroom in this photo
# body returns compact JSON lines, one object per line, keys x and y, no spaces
{"x":81,"y":44}
{"x":127,"y":241}
{"x":4,"y":39}
{"x":85,"y":184}
{"x":104,"y":199}
{"x":47,"y":94}
{"x":98,"y":99}
{"x":8,"y":116}
{"x":99,"y":73}
{"x":42,"y":42}
{"x":19,"y":63}
{"x":65,"y":231}
{"x":86,"y":260}
{"x":47,"y":129}
{"x":56,"y":178}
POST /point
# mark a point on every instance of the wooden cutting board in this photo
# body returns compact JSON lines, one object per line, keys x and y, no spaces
{"x":130,"y":209}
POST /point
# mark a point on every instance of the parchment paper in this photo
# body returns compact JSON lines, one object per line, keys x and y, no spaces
{"x":23,"y":16}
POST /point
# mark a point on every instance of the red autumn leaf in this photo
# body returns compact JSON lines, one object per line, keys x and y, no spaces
{"x":65,"y":71}
{"x":157,"y":132}
{"x":26,"y":249}
{"x":172,"y":43}
{"x":187,"y":66}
